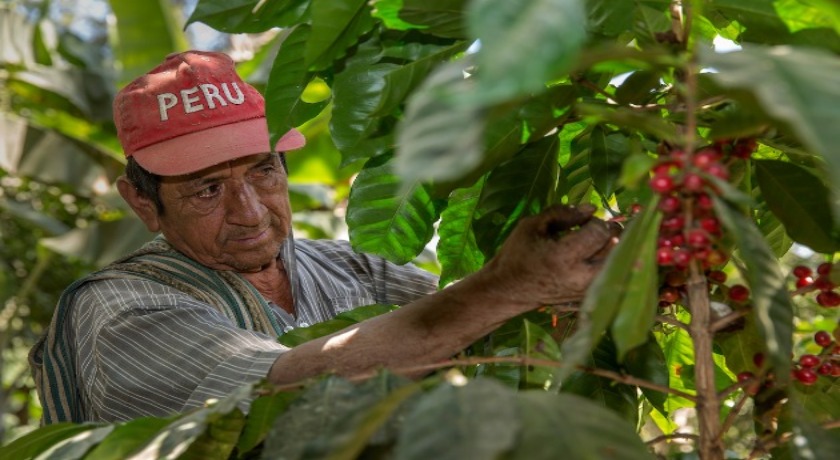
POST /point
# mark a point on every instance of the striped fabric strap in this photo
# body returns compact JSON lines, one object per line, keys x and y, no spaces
{"x":52,"y":358}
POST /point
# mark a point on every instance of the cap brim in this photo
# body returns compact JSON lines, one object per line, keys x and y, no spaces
{"x":201,"y":149}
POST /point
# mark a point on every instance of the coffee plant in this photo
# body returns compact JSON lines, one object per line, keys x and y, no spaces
{"x":706,"y":128}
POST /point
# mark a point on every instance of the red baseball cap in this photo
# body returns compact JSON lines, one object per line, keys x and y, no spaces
{"x":192,"y":112}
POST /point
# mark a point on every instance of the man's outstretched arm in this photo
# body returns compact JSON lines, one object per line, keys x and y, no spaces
{"x":548,"y":259}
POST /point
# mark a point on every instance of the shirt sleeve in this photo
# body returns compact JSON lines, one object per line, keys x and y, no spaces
{"x":388,"y":282}
{"x":145,"y":349}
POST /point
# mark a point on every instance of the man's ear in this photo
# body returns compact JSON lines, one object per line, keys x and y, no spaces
{"x":143,"y":206}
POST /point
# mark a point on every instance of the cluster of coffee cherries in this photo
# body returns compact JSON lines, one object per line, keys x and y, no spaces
{"x":689,"y":229}
{"x":809,"y":367}
{"x":820,"y":282}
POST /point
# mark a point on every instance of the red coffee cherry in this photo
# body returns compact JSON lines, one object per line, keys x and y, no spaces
{"x":824,"y":268}
{"x":669,"y":294}
{"x":829,"y":299}
{"x":682,"y":258}
{"x":825,"y":369}
{"x":806,"y":376}
{"x":801,"y":271}
{"x":711,"y":225}
{"x":664,"y":256}
{"x":758,"y":360}
{"x":739,"y":293}
{"x":704,"y":202}
{"x":743,"y":148}
{"x":823,"y":283}
{"x":693,"y":182}
{"x":704,"y":158}
{"x":718,"y":170}
{"x":673,"y":224}
{"x":698,"y":238}
{"x":662,"y":184}
{"x":746,"y":375}
{"x":716,"y":257}
{"x":822,"y":338}
{"x":664,"y":169}
{"x":717,"y":276}
{"x":809,"y":361}
{"x":670,"y":204}
{"x":804,"y":282}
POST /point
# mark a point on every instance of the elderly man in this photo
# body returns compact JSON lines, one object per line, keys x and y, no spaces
{"x":195,"y":313}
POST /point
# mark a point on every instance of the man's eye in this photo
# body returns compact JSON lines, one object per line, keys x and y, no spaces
{"x":265,"y":170}
{"x":209,"y":192}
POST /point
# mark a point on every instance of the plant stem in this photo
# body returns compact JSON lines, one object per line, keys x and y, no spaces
{"x":704,"y":367}
{"x":668,"y":437}
{"x":707,"y":403}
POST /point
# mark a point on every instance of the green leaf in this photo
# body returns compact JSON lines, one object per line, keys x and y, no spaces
{"x":240,"y":16}
{"x":401,"y":81}
{"x":34,"y":443}
{"x":537,"y":343}
{"x":794,"y":86}
{"x":327,"y":410}
{"x":623,"y":295}
{"x":286,"y":83}
{"x":811,"y":441}
{"x":800,"y":201}
{"x":440,"y":137}
{"x":457,"y":249}
{"x":300,"y":335}
{"x":208,"y":425}
{"x":262,"y":413}
{"x":76,"y":447}
{"x":773,"y":230}
{"x":621,"y":399}
{"x":521,"y":186}
{"x":770,"y":300}
{"x":609,"y":17}
{"x":608,"y":152}
{"x":146,"y":35}
{"x":679,"y":355}
{"x":638,"y":88}
{"x":385,"y":221}
{"x":647,"y":362}
{"x":649,"y":123}
{"x":780,"y":22}
{"x":474,"y":428}
{"x":551,"y":31}
{"x":357,"y":93}
{"x":578,"y":428}
{"x":443,"y":18}
{"x":739,"y":347}
{"x":336,"y":26}
{"x":361,"y":427}
{"x":219,"y":438}
{"x":509,"y":126}
{"x":127,"y":438}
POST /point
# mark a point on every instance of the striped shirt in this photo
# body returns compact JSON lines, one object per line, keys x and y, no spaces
{"x":147,"y":349}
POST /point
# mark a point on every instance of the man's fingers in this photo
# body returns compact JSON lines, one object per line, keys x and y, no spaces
{"x":557,"y":219}
{"x":594,"y":239}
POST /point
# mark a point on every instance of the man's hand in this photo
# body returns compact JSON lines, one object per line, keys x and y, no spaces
{"x":551,"y":258}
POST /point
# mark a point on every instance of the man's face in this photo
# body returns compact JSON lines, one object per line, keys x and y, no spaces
{"x":232,"y":216}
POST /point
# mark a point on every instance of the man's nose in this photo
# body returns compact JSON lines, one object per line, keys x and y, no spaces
{"x":243,"y":205}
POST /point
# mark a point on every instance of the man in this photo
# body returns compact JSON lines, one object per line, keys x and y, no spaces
{"x":195,"y":313}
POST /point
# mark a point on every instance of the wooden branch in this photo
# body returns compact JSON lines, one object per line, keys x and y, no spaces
{"x":733,"y":414}
{"x":668,"y":437}
{"x":672,"y":321}
{"x":722,"y":322}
